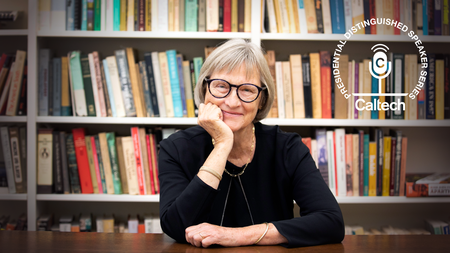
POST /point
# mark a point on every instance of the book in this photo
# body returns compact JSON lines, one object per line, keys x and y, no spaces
{"x":137,"y":92}
{"x":297,"y":86}
{"x":124,"y":75}
{"x":44,"y":161}
{"x":72,"y":165}
{"x":77,"y":85}
{"x":101,"y":168}
{"x":341,"y":187}
{"x":17,"y":166}
{"x":16,"y":83}
{"x":90,"y":155}
{"x":122,"y":167}
{"x":331,"y":161}
{"x":427,"y":184}
{"x":138,"y":159}
{"x":106,"y":161}
{"x":130,"y":164}
{"x":316,"y":91}
{"x":323,"y":154}
{"x":57,"y":166}
{"x":96,"y":171}
{"x":82,"y":160}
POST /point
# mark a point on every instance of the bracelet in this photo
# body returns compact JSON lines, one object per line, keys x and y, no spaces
{"x":211,"y":171}
{"x":265,"y":232}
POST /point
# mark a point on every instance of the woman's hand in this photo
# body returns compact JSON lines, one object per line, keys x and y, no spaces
{"x":210,"y":117}
{"x":205,"y":235}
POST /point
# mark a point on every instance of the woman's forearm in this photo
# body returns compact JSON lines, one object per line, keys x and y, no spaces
{"x":251,"y":234}
{"x":216,"y":161}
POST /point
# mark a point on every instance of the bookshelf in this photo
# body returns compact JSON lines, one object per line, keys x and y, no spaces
{"x":428,"y":139}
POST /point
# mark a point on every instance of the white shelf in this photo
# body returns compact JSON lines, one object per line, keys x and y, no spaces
{"x":391,"y":200}
{"x":268,"y":121}
{"x":153,"y":35}
{"x":98,"y":197}
{"x":14,"y":32}
{"x":13,"y":119}
{"x":356,"y":37}
{"x":16,"y":196}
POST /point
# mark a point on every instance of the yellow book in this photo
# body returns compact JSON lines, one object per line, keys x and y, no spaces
{"x":358,"y":14}
{"x":372,"y":169}
{"x":130,"y":16}
{"x":386,"y":165}
{"x":314,"y":59}
{"x":123,"y":15}
{"x":122,"y":167}
{"x":311,"y":19}
{"x":284,"y":16}
{"x":130,"y":165}
{"x":297,"y":85}
{"x":148,"y":15}
{"x":141,"y":90}
{"x":287,"y":88}
{"x":248,"y":16}
{"x":388,"y":12}
{"x":134,"y":83}
{"x":188,"y":90}
{"x":296,"y":17}
{"x":106,"y":163}
{"x":108,"y":224}
{"x":291,"y":16}
{"x":91,"y":163}
{"x":65,"y":93}
{"x":234,"y":16}
{"x":440,"y":89}
{"x":171,"y":15}
{"x":165,"y":78}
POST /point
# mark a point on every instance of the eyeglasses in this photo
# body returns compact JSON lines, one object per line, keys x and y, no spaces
{"x":246,"y":92}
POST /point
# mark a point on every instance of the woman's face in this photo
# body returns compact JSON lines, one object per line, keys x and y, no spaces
{"x":236,"y":113}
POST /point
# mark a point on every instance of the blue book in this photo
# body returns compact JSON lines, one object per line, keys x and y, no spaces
{"x":84,"y":15}
{"x":190,"y":16}
{"x":151,"y":83}
{"x":70,"y":15}
{"x":438,"y":18}
{"x":174,"y":83}
{"x":425,"y":16}
{"x":109,"y":87}
{"x":430,"y":94}
{"x":116,"y":15}
{"x":181,"y":80}
{"x":57,"y":86}
{"x":366,"y":164}
{"x":337,"y":16}
{"x":374,"y":112}
{"x":146,"y":88}
{"x":366,"y":6}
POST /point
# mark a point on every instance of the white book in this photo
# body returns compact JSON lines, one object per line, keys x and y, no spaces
{"x":331,"y":165}
{"x":130,"y":16}
{"x":94,"y":85}
{"x":58,"y":16}
{"x":287,"y":86}
{"x":340,"y":162}
{"x":104,"y":5}
{"x":302,"y":17}
{"x":154,"y":16}
{"x":133,"y":224}
{"x":109,"y":88}
{"x":130,"y":165}
{"x":44,"y":15}
{"x":407,"y":12}
{"x":163,"y":16}
{"x":326,"y":17}
{"x":156,"y":225}
{"x":99,"y":223}
{"x":77,"y":84}
{"x":413,"y":72}
{"x":4,"y":135}
{"x":315,"y":152}
{"x":272,"y":18}
{"x":148,"y":222}
{"x":116,"y":87}
{"x":158,"y":85}
{"x":284,"y":16}
{"x":348,"y":14}
{"x":360,"y":86}
{"x":280,"y":92}
{"x":212,"y":15}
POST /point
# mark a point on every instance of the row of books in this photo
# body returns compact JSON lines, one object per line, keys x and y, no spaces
{"x":13,"y":84}
{"x":9,"y":223}
{"x":13,"y":159}
{"x":161,"y":85}
{"x":360,"y":164}
{"x":390,"y":230}
{"x":101,"y":224}
{"x":145,"y":15}
{"x":102,"y":163}
{"x":305,"y":87}
{"x":427,"y":184}
{"x":424,"y":17}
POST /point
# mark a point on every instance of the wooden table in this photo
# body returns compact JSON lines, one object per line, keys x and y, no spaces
{"x":22,"y":241}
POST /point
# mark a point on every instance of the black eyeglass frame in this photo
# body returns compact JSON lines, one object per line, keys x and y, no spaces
{"x":208,"y":81}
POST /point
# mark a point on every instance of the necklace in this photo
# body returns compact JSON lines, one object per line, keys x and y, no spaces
{"x":248,"y":161}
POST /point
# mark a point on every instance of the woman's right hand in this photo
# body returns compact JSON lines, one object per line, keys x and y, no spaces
{"x":210,"y":117}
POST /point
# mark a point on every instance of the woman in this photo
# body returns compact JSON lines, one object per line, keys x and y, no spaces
{"x":231,"y":180}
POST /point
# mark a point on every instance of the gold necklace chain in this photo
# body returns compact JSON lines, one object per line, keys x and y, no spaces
{"x":243,"y":170}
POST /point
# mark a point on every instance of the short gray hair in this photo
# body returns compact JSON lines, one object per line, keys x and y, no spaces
{"x":230,"y":56}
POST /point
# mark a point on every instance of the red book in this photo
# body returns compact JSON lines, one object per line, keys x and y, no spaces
{"x":396,"y":15}
{"x":141,"y":228}
{"x":154,"y":162}
{"x":325,"y":81}
{"x":97,"y":168}
{"x":137,"y":153}
{"x":373,"y":28}
{"x":227,"y":15}
{"x":82,"y":160}
{"x":307,"y":142}
{"x":150,"y":162}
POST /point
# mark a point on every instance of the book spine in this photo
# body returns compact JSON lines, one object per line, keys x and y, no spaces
{"x":425,"y":16}
{"x":446,"y":86}
{"x":57,"y":86}
{"x":77,"y":84}
{"x":366,"y":165}
{"x":16,"y":83}
{"x":66,"y":105}
{"x":154,"y":162}
{"x":325,"y":81}
{"x":361,"y":163}
{"x":372,"y":169}
{"x":287,"y":88}
{"x":297,"y":86}
{"x":96,"y":172}
{"x":174,"y":83}
{"x":179,"y":59}
{"x":45,"y":161}
{"x":398,"y":157}
{"x":280,"y":89}
{"x":145,"y":84}
{"x":337,"y":16}
{"x":399,"y":70}
{"x":349,"y":164}
{"x":316,"y":85}
{"x":82,"y":160}
{"x":386,"y":165}
{"x":163,"y":13}
{"x":445,"y":18}
{"x":331,"y":160}
{"x":430,"y":88}
{"x":70,"y":13}
{"x":136,"y":89}
{"x":57,"y":167}
{"x":323,"y":156}
{"x":44,"y":59}
{"x":116,"y":15}
{"x":130,"y":164}
{"x":100,"y":164}
{"x":380,"y":152}
{"x":188,"y":90}
{"x":139,"y":167}
{"x":421,"y":106}
{"x":90,"y":155}
{"x":64,"y":162}
{"x":106,"y":161}
{"x":151,"y":84}
{"x":367,"y":10}
{"x":439,"y":87}
{"x":22,"y":107}
{"x":94,"y":84}
{"x":16,"y":159}
{"x":392,"y":165}
{"x":122,"y":168}
{"x":403,"y":167}
{"x":84,"y":15}
{"x":106,"y":92}
{"x":150,"y":161}
{"x":113,"y":76}
{"x":307,"y":86}
{"x":111,"y":139}
{"x":88,"y":87}
{"x":165,"y":78}
{"x":97,"y":15}
{"x":158,"y":84}
{"x":77,"y":16}
{"x":201,"y":15}
{"x":150,"y":189}
{"x":122,"y":66}
{"x":72,"y":163}
{"x":355,"y":164}
{"x":50,"y":86}
{"x":107,"y":78}
{"x":90,"y":14}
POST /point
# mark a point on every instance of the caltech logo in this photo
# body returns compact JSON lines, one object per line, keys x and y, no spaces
{"x":380,"y":68}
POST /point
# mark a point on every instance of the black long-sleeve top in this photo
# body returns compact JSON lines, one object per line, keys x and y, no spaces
{"x":282,"y":170}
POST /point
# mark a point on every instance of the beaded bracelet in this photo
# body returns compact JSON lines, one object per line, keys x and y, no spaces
{"x":211,"y":171}
{"x":265,"y":232}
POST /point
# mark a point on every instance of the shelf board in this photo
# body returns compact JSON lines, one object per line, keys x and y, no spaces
{"x":154,"y":35}
{"x":98,"y":197}
{"x":391,"y":200}
{"x":268,"y":121}
{"x":13,"y":119}
{"x":356,"y":37}
{"x":15,"y":196}
{"x":14,"y":32}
